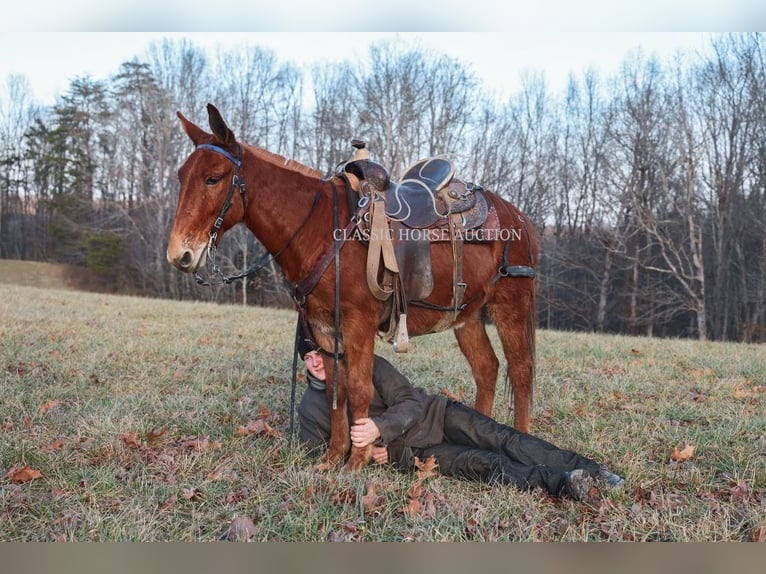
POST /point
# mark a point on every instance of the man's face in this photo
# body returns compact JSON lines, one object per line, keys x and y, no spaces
{"x":315,"y":364}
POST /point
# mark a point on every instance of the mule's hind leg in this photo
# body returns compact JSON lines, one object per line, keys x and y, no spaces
{"x":513,"y":312}
{"x":477,"y":348}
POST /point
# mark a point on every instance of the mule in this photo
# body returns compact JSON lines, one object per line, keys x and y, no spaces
{"x":295,"y":213}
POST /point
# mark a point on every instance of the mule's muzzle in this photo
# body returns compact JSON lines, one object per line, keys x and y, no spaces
{"x":186,"y":259}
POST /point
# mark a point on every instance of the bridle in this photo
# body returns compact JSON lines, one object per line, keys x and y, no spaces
{"x":238,"y":182}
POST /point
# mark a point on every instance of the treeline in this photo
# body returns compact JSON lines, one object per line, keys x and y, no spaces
{"x":647,"y":188}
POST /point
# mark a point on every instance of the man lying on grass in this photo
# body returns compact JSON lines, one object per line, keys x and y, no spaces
{"x":405,"y":422}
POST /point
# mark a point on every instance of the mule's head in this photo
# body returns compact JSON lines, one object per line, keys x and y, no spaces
{"x":206,"y":177}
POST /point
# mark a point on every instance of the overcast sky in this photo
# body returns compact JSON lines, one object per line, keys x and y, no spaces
{"x":51,"y":42}
{"x":51,"y":60}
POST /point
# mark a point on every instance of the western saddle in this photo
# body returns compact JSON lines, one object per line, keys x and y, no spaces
{"x":399,"y":220}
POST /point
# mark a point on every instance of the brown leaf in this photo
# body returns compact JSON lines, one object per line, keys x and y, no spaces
{"x":452,"y":396}
{"x":57,"y":444}
{"x":426,"y":469}
{"x":428,"y":506}
{"x":696,"y":397}
{"x":168,"y":503}
{"x":47,"y":406}
{"x":264,"y":412}
{"x":271,"y":431}
{"x":682,"y":455}
{"x":156,"y":436}
{"x":344,"y":497}
{"x":241,"y":529}
{"x":191,"y":493}
{"x":739,"y":491}
{"x":200,"y":444}
{"x":255,"y":427}
{"x":218,"y":473}
{"x":24,"y":474}
{"x":131,"y":440}
{"x":412,"y":508}
{"x":415,"y":490}
{"x":371,"y":502}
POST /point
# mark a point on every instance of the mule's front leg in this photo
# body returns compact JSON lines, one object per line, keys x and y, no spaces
{"x":360,"y":392}
{"x":340,"y":440}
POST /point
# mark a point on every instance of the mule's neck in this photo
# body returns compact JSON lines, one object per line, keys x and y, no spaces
{"x":282,"y":212}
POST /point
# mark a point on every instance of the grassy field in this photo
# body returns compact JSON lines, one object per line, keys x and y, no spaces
{"x":135,"y":419}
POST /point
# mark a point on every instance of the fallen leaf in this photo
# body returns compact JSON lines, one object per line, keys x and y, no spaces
{"x":200,"y":444}
{"x":458,"y":398}
{"x":742,"y":392}
{"x":241,"y":529}
{"x":696,"y":397}
{"x":371,"y":502}
{"x":131,"y":440}
{"x":57,"y":444}
{"x":219,"y":472}
{"x":255,"y":427}
{"x":739,"y":491}
{"x":192,"y":493}
{"x":682,"y":455}
{"x":415,"y":490}
{"x":24,"y":474}
{"x":168,"y":503}
{"x":426,"y":469}
{"x":265,"y":413}
{"x":156,"y":436}
{"x":47,"y":406}
{"x":412,"y":508}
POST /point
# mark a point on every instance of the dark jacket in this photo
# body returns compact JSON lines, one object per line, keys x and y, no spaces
{"x":407,"y":417}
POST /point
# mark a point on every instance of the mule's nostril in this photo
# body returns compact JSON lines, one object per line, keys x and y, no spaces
{"x":186,"y":259}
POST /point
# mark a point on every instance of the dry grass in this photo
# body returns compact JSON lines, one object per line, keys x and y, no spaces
{"x":135,"y":413}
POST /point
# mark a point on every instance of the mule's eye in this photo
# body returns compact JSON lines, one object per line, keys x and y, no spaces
{"x":212,"y":180}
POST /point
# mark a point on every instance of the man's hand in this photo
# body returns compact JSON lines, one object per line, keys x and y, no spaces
{"x":364,"y":432}
{"x":380,"y":454}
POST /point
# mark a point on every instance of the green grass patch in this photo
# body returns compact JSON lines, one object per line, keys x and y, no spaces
{"x":130,"y":418}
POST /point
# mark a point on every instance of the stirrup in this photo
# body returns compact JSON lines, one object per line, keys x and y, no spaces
{"x":402,"y":340}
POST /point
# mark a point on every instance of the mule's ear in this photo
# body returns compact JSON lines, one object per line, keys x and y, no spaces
{"x":195,"y":133}
{"x":219,"y":127}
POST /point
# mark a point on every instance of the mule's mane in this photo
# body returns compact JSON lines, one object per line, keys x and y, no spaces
{"x":282,"y":161}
